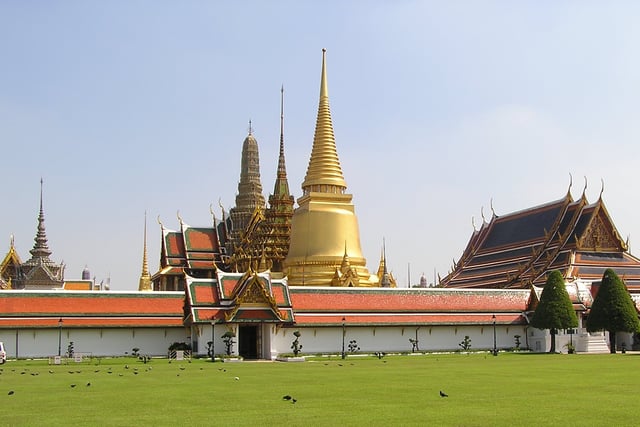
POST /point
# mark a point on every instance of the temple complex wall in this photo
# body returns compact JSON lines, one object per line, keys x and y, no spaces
{"x":396,"y":338}
{"x":38,"y":343}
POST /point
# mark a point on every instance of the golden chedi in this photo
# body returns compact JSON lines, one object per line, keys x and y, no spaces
{"x":325,"y":239}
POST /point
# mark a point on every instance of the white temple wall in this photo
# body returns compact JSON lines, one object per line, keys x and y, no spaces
{"x":35,"y":343}
{"x":396,"y":338}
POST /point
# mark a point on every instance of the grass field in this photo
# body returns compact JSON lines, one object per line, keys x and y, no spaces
{"x":511,"y":389}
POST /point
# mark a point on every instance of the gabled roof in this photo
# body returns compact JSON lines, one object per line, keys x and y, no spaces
{"x":518,"y":249}
{"x":193,"y":248}
{"x":385,"y":306}
{"x":239,"y":297}
{"x":25,"y":309}
{"x":11,"y":259}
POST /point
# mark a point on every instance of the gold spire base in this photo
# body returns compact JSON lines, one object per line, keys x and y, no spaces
{"x":324,"y":231}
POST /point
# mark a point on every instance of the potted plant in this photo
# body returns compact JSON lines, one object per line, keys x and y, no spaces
{"x":571,"y":349}
{"x":296,"y":347}
{"x":228,"y":340}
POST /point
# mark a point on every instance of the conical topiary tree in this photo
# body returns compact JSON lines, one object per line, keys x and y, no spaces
{"x":613,"y":309}
{"x":554,"y":310}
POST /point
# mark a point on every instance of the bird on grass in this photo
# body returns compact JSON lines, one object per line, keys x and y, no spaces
{"x":294,"y":400}
{"x":50,"y":371}
{"x":73,"y":385}
{"x":286,"y":397}
{"x":10,"y":392}
{"x":443,"y":394}
{"x":88,"y":384}
{"x":236,"y":378}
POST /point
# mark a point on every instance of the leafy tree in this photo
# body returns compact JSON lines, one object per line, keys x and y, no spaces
{"x":613,"y":309}
{"x":554,"y":310}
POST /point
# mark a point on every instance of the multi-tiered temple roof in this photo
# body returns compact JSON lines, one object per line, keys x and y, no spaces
{"x":518,"y":249}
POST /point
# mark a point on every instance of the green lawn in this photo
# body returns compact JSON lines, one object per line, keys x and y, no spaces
{"x":511,"y":389}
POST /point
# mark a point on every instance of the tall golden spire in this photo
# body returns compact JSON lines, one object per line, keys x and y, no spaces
{"x":145,"y":277}
{"x":325,"y":222}
{"x":324,"y":173}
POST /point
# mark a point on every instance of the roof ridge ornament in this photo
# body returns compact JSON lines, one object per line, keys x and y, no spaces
{"x":601,"y":189}
{"x":584,"y":190}
{"x":213,"y":214}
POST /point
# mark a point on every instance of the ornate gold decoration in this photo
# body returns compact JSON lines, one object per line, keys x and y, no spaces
{"x":325,"y":217}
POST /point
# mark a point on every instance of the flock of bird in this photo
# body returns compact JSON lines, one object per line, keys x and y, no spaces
{"x":109,"y":370}
{"x":135,"y":371}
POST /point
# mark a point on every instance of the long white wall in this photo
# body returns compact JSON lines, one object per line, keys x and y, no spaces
{"x":27,"y":343}
{"x":396,"y":339}
{"x":155,"y":341}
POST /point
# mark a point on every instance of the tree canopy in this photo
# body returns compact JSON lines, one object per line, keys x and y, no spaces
{"x":613,"y":309}
{"x":554,"y":311}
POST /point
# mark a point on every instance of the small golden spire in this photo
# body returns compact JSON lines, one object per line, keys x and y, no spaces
{"x":145,"y":277}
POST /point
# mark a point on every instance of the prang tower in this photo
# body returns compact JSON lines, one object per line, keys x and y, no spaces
{"x":325,"y":239}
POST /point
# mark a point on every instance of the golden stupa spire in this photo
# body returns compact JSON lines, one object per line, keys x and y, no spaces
{"x":324,"y":173}
{"x":325,"y":224}
{"x":145,"y":277}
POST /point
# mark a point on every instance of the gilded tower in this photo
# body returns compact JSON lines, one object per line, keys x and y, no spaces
{"x":264,"y":241}
{"x":325,"y":239}
{"x":249,"y":197}
{"x":278,"y":215}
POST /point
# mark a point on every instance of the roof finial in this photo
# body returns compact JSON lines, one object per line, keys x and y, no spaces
{"x":493,"y":213}
{"x":601,"y":189}
{"x":282,"y":171}
{"x":482,"y":214}
{"x":584,"y":190}
{"x":473,"y":223}
{"x":250,"y":128}
{"x":570,"y":184}
{"x":213,"y":214}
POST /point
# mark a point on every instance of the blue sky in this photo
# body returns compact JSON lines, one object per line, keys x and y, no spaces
{"x":438,"y":109}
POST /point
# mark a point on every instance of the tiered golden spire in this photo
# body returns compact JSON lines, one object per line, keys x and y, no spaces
{"x":325,"y":222}
{"x":324,"y":173}
{"x":145,"y":277}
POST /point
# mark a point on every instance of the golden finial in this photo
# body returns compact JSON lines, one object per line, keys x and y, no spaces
{"x":570,"y":183}
{"x":250,"y":128}
{"x":213,"y":214}
{"x":179,"y":217}
{"x":601,"y":189}
{"x":585,"y":186}
{"x":482,"y":214}
{"x":473,"y":223}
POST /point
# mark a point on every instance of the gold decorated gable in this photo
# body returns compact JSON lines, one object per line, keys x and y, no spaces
{"x":252,"y":293}
{"x":600,"y":234}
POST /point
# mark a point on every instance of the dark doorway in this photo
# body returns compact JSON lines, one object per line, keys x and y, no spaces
{"x":248,"y":342}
